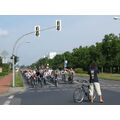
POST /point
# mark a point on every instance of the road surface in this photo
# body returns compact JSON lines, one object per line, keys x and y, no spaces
{"x":62,"y":95}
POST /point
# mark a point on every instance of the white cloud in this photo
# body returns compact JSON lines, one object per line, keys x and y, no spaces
{"x":3,"y":32}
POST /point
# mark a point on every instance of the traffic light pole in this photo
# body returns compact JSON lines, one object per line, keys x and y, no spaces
{"x":13,"y":83}
{"x":13,"y":52}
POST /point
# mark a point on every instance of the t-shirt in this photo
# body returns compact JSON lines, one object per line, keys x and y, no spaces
{"x":37,"y":73}
{"x":41,"y":73}
{"x":93,"y":75}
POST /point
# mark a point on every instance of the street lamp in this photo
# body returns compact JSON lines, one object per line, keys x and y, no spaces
{"x":20,"y":45}
{"x":116,"y":18}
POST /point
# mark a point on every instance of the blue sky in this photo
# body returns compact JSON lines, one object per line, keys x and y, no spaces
{"x":77,"y":30}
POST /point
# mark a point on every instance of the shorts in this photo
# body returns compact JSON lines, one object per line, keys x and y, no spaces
{"x":97,"y":88}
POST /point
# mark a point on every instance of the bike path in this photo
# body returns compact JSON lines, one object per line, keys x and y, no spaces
{"x":5,"y":83}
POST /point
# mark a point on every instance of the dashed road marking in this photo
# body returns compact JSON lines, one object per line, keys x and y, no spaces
{"x":11,"y":97}
{"x":7,"y":102}
{"x":50,"y":84}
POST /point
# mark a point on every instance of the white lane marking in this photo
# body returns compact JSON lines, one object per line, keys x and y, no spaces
{"x":11,"y":97}
{"x":76,"y":82}
{"x":111,"y":85}
{"x":31,"y":91}
{"x":50,"y":84}
{"x":7,"y":102}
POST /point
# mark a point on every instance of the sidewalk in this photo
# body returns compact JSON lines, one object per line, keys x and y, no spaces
{"x":5,"y":83}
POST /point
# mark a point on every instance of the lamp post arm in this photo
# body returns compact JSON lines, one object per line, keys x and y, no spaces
{"x":19,"y":40}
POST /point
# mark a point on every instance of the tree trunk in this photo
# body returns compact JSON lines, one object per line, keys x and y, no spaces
{"x":110,"y":69}
{"x":102,"y":69}
{"x":118,"y":68}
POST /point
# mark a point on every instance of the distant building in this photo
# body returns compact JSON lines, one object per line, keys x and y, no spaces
{"x":51,"y":55}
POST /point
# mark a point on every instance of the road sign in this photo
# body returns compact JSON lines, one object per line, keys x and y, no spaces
{"x":66,"y":61}
{"x":4,"y":53}
{"x":65,"y":65}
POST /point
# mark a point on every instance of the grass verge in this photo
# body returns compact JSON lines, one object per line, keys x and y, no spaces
{"x":1,"y":77}
{"x":106,"y":76}
{"x":18,"y":80}
{"x":3,"y":74}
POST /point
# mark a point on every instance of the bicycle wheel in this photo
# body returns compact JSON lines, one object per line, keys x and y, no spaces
{"x":78,"y":95}
{"x":56,"y":83}
{"x":94,"y":95}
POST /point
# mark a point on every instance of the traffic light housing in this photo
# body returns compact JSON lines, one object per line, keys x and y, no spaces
{"x":37,"y":31}
{"x":16,"y":59}
{"x":58,"y":25}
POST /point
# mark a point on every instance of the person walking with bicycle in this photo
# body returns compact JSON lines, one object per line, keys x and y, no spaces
{"x":71,"y":75}
{"x":93,"y":71}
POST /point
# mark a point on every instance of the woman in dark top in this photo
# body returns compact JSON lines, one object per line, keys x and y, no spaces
{"x":93,"y":71}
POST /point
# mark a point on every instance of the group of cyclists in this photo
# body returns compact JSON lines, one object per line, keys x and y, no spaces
{"x":40,"y":77}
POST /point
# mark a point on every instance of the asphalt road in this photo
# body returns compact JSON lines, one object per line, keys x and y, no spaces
{"x":62,"y":95}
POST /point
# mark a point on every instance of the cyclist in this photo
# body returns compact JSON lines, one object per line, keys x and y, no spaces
{"x":45,"y":76}
{"x":63,"y":73}
{"x":71,"y":75}
{"x":55,"y":74}
{"x":56,"y":78}
{"x":33,"y":78}
{"x":37,"y":76}
{"x":50,"y":71}
{"x":93,"y":71}
{"x":41,"y":76}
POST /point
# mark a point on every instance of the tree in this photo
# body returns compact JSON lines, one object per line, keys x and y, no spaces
{"x":110,"y":49}
{"x":0,"y":62}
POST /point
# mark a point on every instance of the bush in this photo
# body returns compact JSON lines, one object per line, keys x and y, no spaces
{"x":79,"y":70}
{"x":5,"y":67}
{"x":3,"y":73}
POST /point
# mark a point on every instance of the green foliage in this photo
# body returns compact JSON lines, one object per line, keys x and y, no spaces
{"x":5,"y":67}
{"x":18,"y":80}
{"x":0,"y":62}
{"x":106,"y":54}
{"x":79,"y":70}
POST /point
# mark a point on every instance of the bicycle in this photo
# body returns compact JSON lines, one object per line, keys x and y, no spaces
{"x":82,"y":92}
{"x":54,"y":80}
{"x":70,"y":79}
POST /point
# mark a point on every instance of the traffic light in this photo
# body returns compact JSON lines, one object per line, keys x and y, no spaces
{"x":58,"y":25}
{"x":37,"y":31}
{"x":16,"y":59}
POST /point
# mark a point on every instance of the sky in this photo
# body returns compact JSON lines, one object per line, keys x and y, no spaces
{"x":77,"y":30}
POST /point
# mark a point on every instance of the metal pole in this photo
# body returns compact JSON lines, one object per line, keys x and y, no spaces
{"x":13,"y":82}
{"x":15,"y":47}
